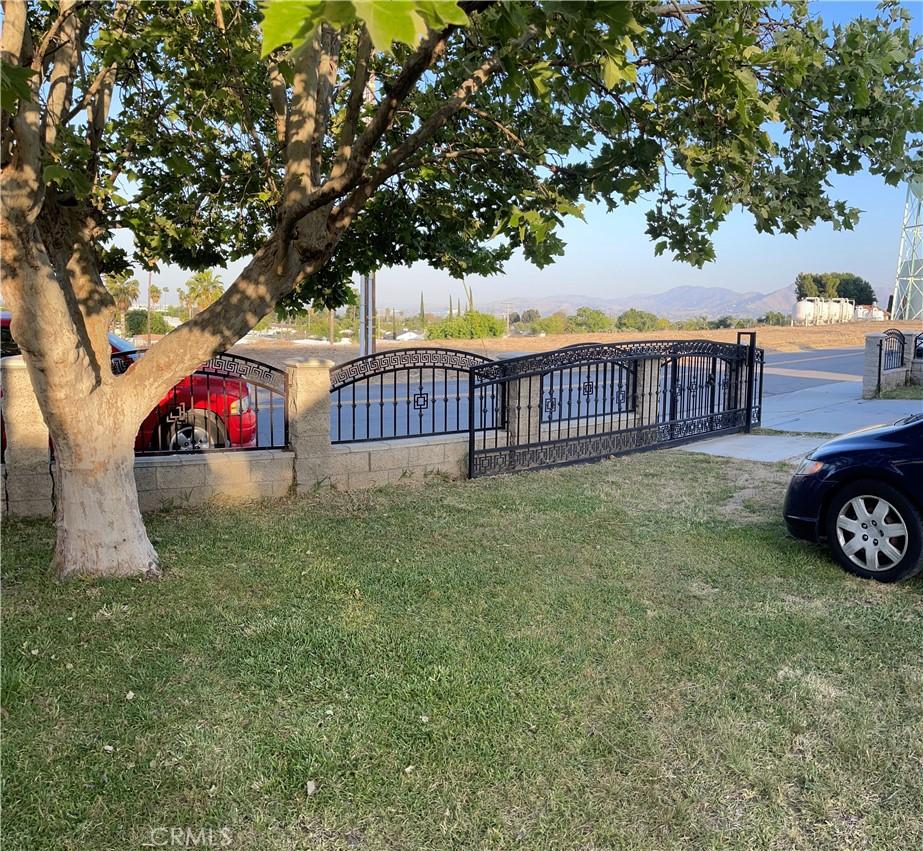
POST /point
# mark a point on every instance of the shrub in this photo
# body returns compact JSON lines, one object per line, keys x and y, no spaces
{"x":469,"y":326}
{"x":136,"y":323}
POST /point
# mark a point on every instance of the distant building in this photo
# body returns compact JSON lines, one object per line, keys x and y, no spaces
{"x":409,"y":335}
{"x":870,"y":313}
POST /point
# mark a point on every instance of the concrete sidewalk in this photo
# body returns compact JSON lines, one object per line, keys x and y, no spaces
{"x":832,"y":408}
{"x":756,"y":447}
{"x":828,"y":409}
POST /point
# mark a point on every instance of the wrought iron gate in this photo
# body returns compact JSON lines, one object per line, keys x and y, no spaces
{"x":593,"y":400}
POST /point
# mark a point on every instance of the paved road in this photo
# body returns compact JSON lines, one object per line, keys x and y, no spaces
{"x":786,"y":372}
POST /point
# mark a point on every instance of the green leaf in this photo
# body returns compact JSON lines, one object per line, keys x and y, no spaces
{"x":388,"y":21}
{"x":53,"y":173}
{"x":391,"y":20}
{"x":617,"y":69}
{"x":14,"y":85}
{"x":289,"y":22}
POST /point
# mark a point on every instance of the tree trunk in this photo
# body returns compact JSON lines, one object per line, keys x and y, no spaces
{"x":100,"y":531}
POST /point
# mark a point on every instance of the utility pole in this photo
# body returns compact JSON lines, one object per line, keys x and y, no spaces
{"x":367,"y":315}
{"x":150,"y":274}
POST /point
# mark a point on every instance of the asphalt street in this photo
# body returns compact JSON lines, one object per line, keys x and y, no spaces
{"x":786,"y":372}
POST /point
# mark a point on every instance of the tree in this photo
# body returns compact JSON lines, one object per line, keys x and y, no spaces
{"x":806,"y":286}
{"x":637,"y":320}
{"x":422,"y":313}
{"x":154,"y":293}
{"x":835,"y":285}
{"x":773,"y":317}
{"x":588,"y":320}
{"x":202,"y":290}
{"x":555,"y":324}
{"x":124,"y":291}
{"x":321,"y":140}
{"x":137,"y":322}
{"x":531,"y":315}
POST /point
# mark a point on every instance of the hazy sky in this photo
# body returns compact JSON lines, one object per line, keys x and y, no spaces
{"x":610,"y":255}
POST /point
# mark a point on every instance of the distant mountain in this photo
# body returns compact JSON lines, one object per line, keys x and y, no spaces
{"x":677,"y":303}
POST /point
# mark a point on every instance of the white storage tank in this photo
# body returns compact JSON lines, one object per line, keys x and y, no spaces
{"x":803,"y":312}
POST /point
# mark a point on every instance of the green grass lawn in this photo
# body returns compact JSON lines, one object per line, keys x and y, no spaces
{"x":625,"y":655}
{"x":908,"y":391}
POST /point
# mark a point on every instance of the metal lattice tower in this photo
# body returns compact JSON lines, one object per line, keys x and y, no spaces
{"x":907,"y":302}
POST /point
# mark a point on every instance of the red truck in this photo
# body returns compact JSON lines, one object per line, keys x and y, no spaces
{"x":206,"y":410}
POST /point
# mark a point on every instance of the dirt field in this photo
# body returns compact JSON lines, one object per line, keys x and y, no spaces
{"x":785,"y":339}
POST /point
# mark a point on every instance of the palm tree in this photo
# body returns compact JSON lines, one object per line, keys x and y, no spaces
{"x":201,"y":290}
{"x":124,"y":290}
{"x":153,"y":296}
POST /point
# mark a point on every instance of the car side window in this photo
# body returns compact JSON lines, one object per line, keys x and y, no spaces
{"x":8,"y":347}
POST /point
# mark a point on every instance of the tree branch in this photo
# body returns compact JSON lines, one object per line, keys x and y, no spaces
{"x":279,"y":99}
{"x":327,"y":75}
{"x":675,"y":10}
{"x":66,"y":9}
{"x":357,"y":88}
{"x":333,"y":188}
{"x":392,"y":162}
{"x":63,"y":71}
{"x":302,"y":117}
{"x":14,"y":31}
{"x":12,"y":43}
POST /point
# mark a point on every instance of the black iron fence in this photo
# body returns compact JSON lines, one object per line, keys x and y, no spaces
{"x":231,"y":403}
{"x":590,"y":401}
{"x":402,"y":393}
{"x":918,"y":346}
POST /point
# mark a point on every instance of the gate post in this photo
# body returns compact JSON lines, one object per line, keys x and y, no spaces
{"x":751,"y":381}
{"x":646,"y":393}
{"x":309,"y":421}
{"x":523,"y":409}
{"x":28,"y":487}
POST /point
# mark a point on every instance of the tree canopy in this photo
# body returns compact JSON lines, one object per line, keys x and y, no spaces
{"x":834,"y":285}
{"x":519,"y":114}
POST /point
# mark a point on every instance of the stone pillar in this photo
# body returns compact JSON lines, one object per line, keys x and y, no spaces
{"x":309,"y":420}
{"x":909,"y":347}
{"x":870,"y":365}
{"x":523,"y":410}
{"x":28,"y":485}
{"x":647,"y":400}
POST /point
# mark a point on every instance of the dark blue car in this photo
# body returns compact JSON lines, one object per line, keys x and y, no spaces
{"x":862,"y":493}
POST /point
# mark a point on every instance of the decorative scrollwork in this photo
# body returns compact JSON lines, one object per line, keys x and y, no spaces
{"x":624,"y":354}
{"x":399,"y":359}
{"x":224,"y":365}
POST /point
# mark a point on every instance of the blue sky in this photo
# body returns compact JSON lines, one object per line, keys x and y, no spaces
{"x":610,"y":255}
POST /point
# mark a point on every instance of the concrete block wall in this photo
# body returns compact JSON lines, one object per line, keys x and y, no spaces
{"x":310,"y":462}
{"x":366,"y":465}
{"x":180,"y":480}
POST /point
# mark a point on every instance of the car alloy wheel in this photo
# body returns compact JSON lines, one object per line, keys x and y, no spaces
{"x":190,"y":437}
{"x":871,"y":533}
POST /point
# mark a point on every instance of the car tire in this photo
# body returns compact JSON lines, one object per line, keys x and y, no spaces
{"x":875,"y":532}
{"x":199,"y":430}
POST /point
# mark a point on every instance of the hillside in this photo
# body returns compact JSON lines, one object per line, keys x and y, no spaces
{"x":682,"y":302}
